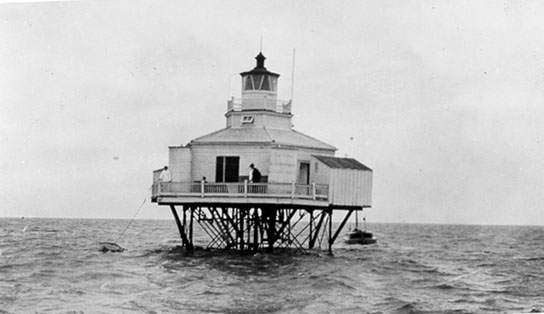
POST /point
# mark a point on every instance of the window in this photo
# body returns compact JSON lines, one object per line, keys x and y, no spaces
{"x":248,"y":83}
{"x":273,"y":83}
{"x":266,"y":83}
{"x":247,"y":119}
{"x":259,"y":82}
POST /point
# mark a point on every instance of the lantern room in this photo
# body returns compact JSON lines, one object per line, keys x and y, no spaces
{"x":259,"y":87}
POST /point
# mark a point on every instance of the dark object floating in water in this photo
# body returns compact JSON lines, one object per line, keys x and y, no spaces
{"x":110,"y":247}
{"x":358,"y":236}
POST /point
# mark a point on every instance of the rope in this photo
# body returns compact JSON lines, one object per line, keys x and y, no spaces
{"x":133,"y":217}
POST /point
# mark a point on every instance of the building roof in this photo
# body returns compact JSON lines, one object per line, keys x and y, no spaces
{"x":260,"y":68}
{"x":341,"y":163}
{"x":262,"y":135}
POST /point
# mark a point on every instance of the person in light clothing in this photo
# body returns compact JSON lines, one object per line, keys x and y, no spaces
{"x":165,"y":175}
{"x":165,"y":178}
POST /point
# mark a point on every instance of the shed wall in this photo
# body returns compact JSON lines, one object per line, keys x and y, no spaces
{"x":350,"y":187}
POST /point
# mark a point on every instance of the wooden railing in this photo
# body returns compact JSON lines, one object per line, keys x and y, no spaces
{"x":241,"y":189}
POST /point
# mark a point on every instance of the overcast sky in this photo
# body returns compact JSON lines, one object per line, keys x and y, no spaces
{"x":444,"y":100}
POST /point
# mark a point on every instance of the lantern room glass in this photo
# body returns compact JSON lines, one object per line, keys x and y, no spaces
{"x":259,"y":82}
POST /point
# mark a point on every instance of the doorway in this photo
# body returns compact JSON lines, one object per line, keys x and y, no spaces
{"x":227,"y":168}
{"x":303,"y":173}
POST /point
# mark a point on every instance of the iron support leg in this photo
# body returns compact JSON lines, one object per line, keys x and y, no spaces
{"x":185,"y":242}
{"x":330,"y":231}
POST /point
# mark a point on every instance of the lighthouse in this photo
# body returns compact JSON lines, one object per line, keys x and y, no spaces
{"x":211,"y":183}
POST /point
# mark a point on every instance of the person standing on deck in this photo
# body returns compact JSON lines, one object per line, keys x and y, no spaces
{"x":165,"y":178}
{"x":254,"y":174}
{"x":254,"y":177}
{"x":165,"y":175}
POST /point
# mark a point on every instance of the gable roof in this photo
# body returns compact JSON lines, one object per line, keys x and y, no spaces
{"x":262,"y":135}
{"x":341,"y":163}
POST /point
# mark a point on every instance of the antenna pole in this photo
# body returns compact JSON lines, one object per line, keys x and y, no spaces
{"x":293,"y":76}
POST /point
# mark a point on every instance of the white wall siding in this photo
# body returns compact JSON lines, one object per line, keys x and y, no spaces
{"x":258,"y":155}
{"x":350,"y":187}
{"x":367,"y":196}
{"x":204,"y":159}
{"x":179,"y":162}
{"x":203,"y":163}
{"x":347,"y":187}
{"x":322,"y":175}
{"x":279,"y":122}
{"x":234,"y":119}
{"x":278,"y":163}
{"x":283,"y":165}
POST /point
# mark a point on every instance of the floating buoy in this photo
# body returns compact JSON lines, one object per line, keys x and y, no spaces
{"x":110,"y":247}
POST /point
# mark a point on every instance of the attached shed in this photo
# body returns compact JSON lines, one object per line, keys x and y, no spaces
{"x":350,"y":182}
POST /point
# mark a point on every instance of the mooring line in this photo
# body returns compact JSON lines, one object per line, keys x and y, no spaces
{"x":133,"y":217}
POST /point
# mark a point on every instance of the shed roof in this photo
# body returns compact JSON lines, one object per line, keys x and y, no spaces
{"x":262,"y":135}
{"x":341,"y":163}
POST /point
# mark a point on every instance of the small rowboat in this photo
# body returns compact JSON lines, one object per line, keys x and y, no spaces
{"x":358,"y":236}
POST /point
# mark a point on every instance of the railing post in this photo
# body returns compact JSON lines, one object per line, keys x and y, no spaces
{"x":245,"y":188}
{"x":202,"y":188}
{"x":293,"y":190}
{"x":313,"y":190}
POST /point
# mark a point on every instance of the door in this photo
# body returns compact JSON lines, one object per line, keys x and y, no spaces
{"x":303,"y":173}
{"x":227,"y":168}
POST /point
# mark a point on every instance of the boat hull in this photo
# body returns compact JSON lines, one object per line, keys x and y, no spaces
{"x":362,"y":241}
{"x":357,"y":236}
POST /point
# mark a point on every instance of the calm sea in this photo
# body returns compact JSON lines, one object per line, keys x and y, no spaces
{"x":54,"y":266}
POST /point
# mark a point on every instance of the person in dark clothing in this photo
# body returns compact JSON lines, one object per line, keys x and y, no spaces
{"x":254,"y":174}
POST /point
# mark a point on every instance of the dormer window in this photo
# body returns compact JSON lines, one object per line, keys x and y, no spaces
{"x":248,"y":119}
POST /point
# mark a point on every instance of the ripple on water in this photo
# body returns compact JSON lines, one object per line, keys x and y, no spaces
{"x":54,"y":266}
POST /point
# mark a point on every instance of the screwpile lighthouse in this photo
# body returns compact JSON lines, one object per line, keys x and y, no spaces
{"x":302,"y":185}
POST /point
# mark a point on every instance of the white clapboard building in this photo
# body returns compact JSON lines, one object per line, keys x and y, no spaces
{"x":298,"y":171}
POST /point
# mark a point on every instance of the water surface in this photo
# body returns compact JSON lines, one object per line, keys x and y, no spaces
{"x":54,"y":266}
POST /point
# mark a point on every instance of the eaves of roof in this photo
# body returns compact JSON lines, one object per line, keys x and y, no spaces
{"x":244,"y":136}
{"x":341,"y":163}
